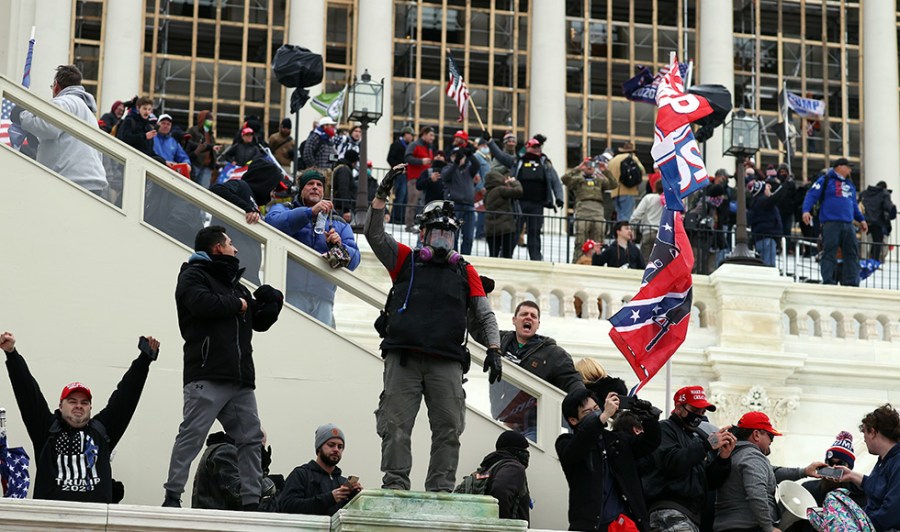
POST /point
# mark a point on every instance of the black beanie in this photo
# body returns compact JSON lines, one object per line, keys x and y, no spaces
{"x":351,"y":156}
{"x":511,"y":440}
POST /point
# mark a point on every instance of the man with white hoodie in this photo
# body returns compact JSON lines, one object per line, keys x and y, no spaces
{"x":58,"y":150}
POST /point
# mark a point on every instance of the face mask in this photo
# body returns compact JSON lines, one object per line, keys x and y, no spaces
{"x":207,"y":125}
{"x":523,"y":456}
{"x":439,"y":247}
{"x":484,"y":151}
{"x":692,"y":420}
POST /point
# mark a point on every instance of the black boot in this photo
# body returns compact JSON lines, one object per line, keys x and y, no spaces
{"x":252,"y":507}
{"x":172,"y":500}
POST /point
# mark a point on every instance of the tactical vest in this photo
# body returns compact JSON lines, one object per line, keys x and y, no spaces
{"x":426,"y":309}
{"x":590,"y":189}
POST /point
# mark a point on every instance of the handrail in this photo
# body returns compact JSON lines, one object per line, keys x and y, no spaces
{"x":279,"y":247}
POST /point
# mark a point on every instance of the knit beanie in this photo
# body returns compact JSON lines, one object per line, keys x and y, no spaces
{"x":842,"y":449}
{"x":308,"y":176}
{"x":326,"y":432}
{"x":511,"y":440}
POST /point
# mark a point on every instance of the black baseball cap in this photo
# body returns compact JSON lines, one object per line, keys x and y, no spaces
{"x":842,"y":162}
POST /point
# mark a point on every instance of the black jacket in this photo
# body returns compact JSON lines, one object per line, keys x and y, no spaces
{"x":79,"y":481}
{"x":509,"y":485}
{"x":307,"y":490}
{"x":434,"y":190}
{"x":133,"y":131}
{"x":217,"y":337}
{"x":240,"y":153}
{"x":616,"y":257}
{"x":581,"y":457}
{"x":396,"y":153}
{"x":345,"y":187}
{"x":878,"y":205}
{"x":217,"y":482}
{"x":684,"y":471}
{"x":236,"y":192}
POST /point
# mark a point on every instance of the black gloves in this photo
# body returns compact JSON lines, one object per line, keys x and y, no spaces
{"x":492,"y":363}
{"x":486,"y":135}
{"x":559,"y":203}
{"x":387,"y":182}
{"x":645,"y":410}
{"x":267,"y":294}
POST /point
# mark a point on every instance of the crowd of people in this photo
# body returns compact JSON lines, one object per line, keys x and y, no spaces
{"x":622,"y":464}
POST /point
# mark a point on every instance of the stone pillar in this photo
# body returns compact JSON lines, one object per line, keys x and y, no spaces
{"x":547,"y":68}
{"x":881,"y":110}
{"x":53,"y":32}
{"x":374,"y":51}
{"x":716,"y":65}
{"x":122,"y":59}
{"x":306,"y":28}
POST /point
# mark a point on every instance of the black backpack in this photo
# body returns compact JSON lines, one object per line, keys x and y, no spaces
{"x":479,"y":481}
{"x":630,"y":174}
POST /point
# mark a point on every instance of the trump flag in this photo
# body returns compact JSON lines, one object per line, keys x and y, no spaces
{"x":653,"y":325}
{"x":675,"y":150}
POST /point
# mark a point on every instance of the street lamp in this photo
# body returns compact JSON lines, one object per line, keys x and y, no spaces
{"x":366,"y":103}
{"x":742,"y":140}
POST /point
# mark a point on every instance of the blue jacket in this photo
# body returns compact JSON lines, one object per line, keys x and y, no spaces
{"x":764,"y":216}
{"x":882,"y":487}
{"x":298,"y":221}
{"x":838,"y":203}
{"x":169,"y":149}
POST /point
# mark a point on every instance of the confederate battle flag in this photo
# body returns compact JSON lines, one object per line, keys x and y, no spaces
{"x":653,"y":325}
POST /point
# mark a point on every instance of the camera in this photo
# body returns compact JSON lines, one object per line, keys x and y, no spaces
{"x":459,"y":153}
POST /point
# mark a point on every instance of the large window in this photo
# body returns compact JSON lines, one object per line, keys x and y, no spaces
{"x":214,"y":55}
{"x":340,"y":44}
{"x":488,"y":41}
{"x":87,"y":42}
{"x":812,"y":48}
{"x":606,"y":43}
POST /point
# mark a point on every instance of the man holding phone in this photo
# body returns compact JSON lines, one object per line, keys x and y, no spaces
{"x":839,"y":454}
{"x":73,"y":448}
{"x":317,"y":487}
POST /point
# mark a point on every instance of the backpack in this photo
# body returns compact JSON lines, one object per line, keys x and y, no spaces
{"x":479,"y":481}
{"x":839,"y":514}
{"x":630,"y":174}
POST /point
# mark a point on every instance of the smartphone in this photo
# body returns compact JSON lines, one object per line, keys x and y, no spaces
{"x":144,"y":345}
{"x":352,"y":479}
{"x":832,"y":473}
{"x":626,"y":402}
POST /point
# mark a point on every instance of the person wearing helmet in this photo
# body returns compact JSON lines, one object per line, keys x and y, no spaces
{"x":424,"y":331}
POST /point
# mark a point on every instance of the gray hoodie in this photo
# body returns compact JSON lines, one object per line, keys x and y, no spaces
{"x":747,"y":498}
{"x":63,"y":153}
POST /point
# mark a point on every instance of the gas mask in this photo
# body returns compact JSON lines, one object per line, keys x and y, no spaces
{"x":438,"y":246}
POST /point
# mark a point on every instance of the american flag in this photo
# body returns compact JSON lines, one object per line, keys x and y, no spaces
{"x":5,"y":110}
{"x":7,"y":106}
{"x":457,"y":90}
{"x":14,"y":470}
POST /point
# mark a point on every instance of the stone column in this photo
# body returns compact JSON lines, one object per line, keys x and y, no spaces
{"x":716,"y":65}
{"x":881,"y":110}
{"x":547,"y":68}
{"x":306,"y":28}
{"x":122,"y":59}
{"x":374,"y":51}
{"x":53,"y":32}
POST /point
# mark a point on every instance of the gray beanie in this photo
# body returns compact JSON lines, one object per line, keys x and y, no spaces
{"x":326,"y":432}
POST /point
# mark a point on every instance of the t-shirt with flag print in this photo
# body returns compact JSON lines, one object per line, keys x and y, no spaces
{"x":76,"y":461}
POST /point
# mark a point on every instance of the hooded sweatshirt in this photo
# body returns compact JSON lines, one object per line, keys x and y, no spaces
{"x":60,"y":151}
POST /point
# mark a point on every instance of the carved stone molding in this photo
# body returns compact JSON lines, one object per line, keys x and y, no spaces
{"x":734,"y":401}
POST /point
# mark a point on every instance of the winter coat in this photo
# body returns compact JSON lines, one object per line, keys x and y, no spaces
{"x":307,"y":490}
{"x":581,"y":455}
{"x":878,"y":206}
{"x":747,"y":497}
{"x":240,"y":153}
{"x":540,"y":356}
{"x":459,"y":183}
{"x":837,"y":203}
{"x":298,"y":222}
{"x":882,"y":487}
{"x":169,"y":149}
{"x":217,"y":336}
{"x":648,"y":212}
{"x":434,"y":190}
{"x":514,"y":163}
{"x":203,"y":155}
{"x":87,"y":475}
{"x":60,"y":151}
{"x":683,"y":470}
{"x":614,"y":170}
{"x":282,"y":147}
{"x":764,"y":215}
{"x":217,"y":482}
{"x":615,"y":256}
{"x":237,"y":193}
{"x":588,"y":187}
{"x":345,"y":188}
{"x":397,"y":153}
{"x":318,"y":150}
{"x":498,"y":202}
{"x":133,"y":131}
{"x":109,"y":120}
{"x":415,"y":153}
{"x":508,"y":484}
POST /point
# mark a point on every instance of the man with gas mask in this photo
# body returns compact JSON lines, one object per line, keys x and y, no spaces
{"x":687,"y":464}
{"x":424,"y":331}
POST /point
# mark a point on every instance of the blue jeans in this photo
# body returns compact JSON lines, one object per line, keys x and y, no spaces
{"x":479,"y":224}
{"x":399,"y":207}
{"x":767,"y":250}
{"x":466,"y":214}
{"x":624,"y":207}
{"x":840,"y":235}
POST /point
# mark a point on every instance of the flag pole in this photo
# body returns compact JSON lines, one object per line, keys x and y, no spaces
{"x":787,"y":138}
{"x":469,"y":100}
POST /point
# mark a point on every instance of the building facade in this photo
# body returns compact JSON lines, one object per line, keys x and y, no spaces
{"x":532,"y":66}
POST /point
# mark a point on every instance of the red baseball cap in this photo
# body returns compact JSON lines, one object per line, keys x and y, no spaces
{"x":73,"y":387}
{"x":461,"y":134}
{"x":532,"y":142}
{"x":694,"y":396}
{"x":757,"y":421}
{"x":246,"y":131}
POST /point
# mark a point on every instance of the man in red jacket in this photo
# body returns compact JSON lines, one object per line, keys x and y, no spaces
{"x":419,"y":155}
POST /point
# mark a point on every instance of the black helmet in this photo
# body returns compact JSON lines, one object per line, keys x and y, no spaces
{"x":439,"y":214}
